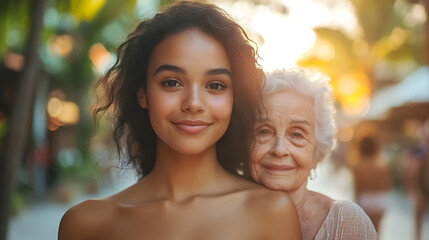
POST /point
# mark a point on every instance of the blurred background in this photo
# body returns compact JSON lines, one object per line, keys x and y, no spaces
{"x":375,"y":52}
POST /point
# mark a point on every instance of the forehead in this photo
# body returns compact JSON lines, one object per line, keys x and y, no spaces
{"x":285,"y":105}
{"x":191,"y":48}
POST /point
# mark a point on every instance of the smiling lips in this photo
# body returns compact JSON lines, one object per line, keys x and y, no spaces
{"x":278,"y":168}
{"x":192,"y":126}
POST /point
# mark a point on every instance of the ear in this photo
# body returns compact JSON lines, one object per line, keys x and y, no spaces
{"x":141,"y":98}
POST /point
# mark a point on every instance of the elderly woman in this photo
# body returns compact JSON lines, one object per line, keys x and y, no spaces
{"x":292,"y":137}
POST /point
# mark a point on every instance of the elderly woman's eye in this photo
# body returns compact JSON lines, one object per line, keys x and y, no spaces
{"x":298,"y":135}
{"x":263,"y":134}
{"x":263,"y":131}
{"x":298,"y":138}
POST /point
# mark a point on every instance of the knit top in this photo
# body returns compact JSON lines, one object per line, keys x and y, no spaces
{"x":346,"y":220}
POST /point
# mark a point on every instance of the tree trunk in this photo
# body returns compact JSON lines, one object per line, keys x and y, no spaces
{"x":17,"y":134}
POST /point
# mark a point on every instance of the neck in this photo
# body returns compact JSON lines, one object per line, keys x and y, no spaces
{"x":178,"y":177}
{"x":300,"y":196}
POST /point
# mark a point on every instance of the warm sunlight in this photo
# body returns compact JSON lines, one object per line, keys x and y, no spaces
{"x":284,"y":35}
{"x":284,"y":41}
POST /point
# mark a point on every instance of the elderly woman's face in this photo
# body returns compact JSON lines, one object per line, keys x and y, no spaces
{"x":285,"y":142}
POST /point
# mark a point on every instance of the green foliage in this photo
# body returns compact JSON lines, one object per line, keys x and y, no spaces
{"x":344,"y":55}
{"x":164,"y":3}
{"x":377,"y":18}
{"x":14,"y":25}
{"x":17,"y":202}
{"x":385,"y":37}
{"x":76,"y":168}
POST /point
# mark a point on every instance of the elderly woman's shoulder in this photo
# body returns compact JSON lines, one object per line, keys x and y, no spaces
{"x":348,"y":209}
{"x":353,"y":220}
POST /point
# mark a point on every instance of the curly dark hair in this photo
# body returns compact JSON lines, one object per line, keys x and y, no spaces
{"x":133,"y":134}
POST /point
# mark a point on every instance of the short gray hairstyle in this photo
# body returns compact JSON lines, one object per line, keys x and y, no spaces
{"x":315,"y":85}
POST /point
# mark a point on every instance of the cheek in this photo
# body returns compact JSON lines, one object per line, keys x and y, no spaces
{"x":160,"y":100}
{"x":263,"y":148}
{"x":257,"y":155}
{"x":304,"y":157}
{"x":255,"y":171}
{"x":221,"y":105}
{"x":159,"y":107}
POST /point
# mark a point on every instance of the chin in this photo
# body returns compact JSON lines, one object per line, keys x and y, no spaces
{"x":191,"y":147}
{"x":277,"y":184}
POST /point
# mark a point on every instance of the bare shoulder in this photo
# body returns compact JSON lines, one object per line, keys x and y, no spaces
{"x":260,"y":197}
{"x":275,"y":212}
{"x":263,"y":199}
{"x":87,"y":219}
{"x":273,"y":204}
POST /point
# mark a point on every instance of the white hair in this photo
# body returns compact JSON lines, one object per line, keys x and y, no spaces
{"x":315,"y":85}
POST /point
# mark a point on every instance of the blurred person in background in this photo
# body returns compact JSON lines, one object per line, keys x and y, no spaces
{"x":291,"y":138}
{"x":372,"y":180}
{"x":415,"y":168}
{"x":185,"y":92}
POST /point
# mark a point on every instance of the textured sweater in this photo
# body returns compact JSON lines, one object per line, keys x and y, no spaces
{"x":346,"y":220}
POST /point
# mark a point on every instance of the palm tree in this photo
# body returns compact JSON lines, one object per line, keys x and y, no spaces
{"x":352,"y":63}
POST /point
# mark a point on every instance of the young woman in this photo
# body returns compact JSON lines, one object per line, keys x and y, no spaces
{"x":185,"y":89}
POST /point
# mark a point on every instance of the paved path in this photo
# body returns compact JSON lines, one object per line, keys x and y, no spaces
{"x":40,"y":221}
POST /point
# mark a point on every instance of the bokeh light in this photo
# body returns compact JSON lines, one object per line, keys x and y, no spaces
{"x":100,"y":57}
{"x":61,"y":45}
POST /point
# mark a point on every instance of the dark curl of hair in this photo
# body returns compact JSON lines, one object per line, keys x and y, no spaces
{"x":133,"y":133}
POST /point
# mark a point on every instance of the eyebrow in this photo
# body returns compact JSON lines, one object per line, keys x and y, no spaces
{"x":265,"y":119}
{"x":172,"y":68}
{"x":300,"y":122}
{"x":218,"y":71}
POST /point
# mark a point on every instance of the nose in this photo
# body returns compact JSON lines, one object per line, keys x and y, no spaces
{"x":193,"y":102}
{"x":279,"y":148}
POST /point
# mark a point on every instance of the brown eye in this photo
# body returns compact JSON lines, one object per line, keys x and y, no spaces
{"x":170,"y":83}
{"x":216,"y":86}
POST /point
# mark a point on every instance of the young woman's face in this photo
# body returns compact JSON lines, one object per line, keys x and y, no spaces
{"x":285,"y":142}
{"x":189,"y":92}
